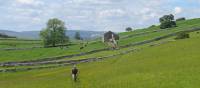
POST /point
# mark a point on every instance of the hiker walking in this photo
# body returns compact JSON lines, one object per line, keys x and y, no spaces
{"x":74,"y":73}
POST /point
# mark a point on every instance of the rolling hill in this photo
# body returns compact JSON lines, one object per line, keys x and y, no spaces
{"x":163,"y":63}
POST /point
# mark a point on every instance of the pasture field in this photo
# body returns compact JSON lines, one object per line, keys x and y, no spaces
{"x":19,"y":43}
{"x":97,"y":54}
{"x":100,"y":44}
{"x":40,"y":53}
{"x":169,"y":65}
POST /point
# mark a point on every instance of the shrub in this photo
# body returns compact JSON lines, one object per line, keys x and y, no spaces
{"x":181,"y":19}
{"x":182,"y":35}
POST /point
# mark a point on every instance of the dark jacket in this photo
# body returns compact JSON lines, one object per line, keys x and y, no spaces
{"x":74,"y":71}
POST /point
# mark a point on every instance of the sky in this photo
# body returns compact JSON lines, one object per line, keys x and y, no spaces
{"x":93,"y":15}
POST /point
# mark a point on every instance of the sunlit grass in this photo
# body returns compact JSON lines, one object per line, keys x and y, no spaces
{"x":171,"y":65}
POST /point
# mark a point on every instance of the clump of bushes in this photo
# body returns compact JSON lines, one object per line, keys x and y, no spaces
{"x":183,"y":35}
{"x":181,"y":19}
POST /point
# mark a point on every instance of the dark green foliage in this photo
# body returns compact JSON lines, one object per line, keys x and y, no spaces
{"x":108,"y":36}
{"x":181,"y":19}
{"x":77,"y":36}
{"x":54,"y":33}
{"x":167,"y":21}
{"x":129,"y":29}
{"x":182,"y":35}
{"x":168,"y":24}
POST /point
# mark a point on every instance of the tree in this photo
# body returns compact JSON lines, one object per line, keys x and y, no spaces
{"x":54,"y":33}
{"x":129,"y":29}
{"x":167,"y":21}
{"x":77,"y":36}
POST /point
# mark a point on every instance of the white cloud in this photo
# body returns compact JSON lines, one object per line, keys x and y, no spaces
{"x":177,"y":10}
{"x":145,"y":10}
{"x":25,"y":1}
{"x":30,"y":2}
{"x":111,"y":13}
{"x":91,"y":1}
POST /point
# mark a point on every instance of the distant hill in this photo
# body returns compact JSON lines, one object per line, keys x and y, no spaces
{"x":3,"y":35}
{"x":35,"y":34}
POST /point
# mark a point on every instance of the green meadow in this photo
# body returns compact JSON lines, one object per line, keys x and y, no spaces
{"x":170,"y":65}
{"x":167,"y":63}
{"x":39,"y":53}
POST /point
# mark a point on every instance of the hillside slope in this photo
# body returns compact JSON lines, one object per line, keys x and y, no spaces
{"x":170,"y":65}
{"x":40,"y":53}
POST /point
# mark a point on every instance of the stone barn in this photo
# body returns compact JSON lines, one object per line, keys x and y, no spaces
{"x":111,"y":39}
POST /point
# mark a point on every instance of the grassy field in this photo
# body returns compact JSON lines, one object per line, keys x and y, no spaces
{"x":40,"y":53}
{"x":98,"y":54}
{"x":170,"y":65}
{"x":18,"y":43}
{"x":35,"y":54}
